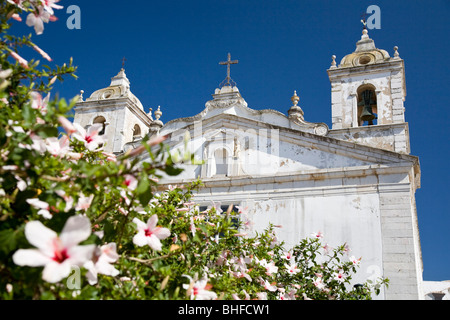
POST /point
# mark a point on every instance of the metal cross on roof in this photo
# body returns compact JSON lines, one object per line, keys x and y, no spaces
{"x":123,"y":62}
{"x":364,"y":20}
{"x":228,"y":63}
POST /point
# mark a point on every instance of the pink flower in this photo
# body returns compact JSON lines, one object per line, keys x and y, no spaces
{"x":37,"y":20}
{"x":292,"y":268}
{"x":339,"y":276}
{"x":57,"y":147}
{"x":269,"y":286}
{"x":50,"y":4}
{"x":42,"y":52}
{"x":84,"y":202}
{"x":319,"y":283}
{"x":355,"y":261}
{"x":42,"y":206}
{"x":38,"y":143}
{"x":270,"y":267}
{"x":287,"y":255}
{"x":17,"y":3}
{"x":56,"y":253}
{"x":152,"y":142}
{"x":130,"y":181}
{"x":91,"y":137}
{"x":16,"y":17}
{"x":101,"y":263}
{"x":22,"y":61}
{"x":38,"y":103}
{"x":149,"y":233}
{"x":317,"y":235}
{"x":242,"y":210}
{"x":198,"y":290}
{"x":67,"y":125}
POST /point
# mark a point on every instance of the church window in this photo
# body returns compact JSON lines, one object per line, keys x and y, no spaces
{"x":136,"y":131}
{"x":101,"y":120}
{"x":220,"y":158}
{"x":367,"y":105}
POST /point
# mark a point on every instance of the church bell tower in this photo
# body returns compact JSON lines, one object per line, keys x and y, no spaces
{"x":367,"y":97}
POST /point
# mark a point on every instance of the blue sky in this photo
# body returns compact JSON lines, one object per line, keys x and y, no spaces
{"x":172,"y":50}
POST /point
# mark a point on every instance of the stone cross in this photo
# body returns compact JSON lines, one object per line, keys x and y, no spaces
{"x":228,"y":63}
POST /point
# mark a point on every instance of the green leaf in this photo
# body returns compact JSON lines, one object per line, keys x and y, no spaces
{"x":143,"y":186}
{"x":172,"y":171}
{"x":145,"y":198}
{"x":8,"y":240}
{"x":47,"y":132}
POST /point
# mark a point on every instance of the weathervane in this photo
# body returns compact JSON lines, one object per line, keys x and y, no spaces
{"x":364,"y":20}
{"x":228,"y":81}
{"x":123,"y":62}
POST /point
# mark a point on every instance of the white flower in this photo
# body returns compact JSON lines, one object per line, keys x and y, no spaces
{"x":339,"y":276}
{"x":56,"y":253}
{"x":319,"y":283}
{"x":269,"y":286}
{"x":130,"y":181}
{"x":317,"y":235}
{"x":198,"y":289}
{"x":84,"y":202}
{"x":355,"y":261}
{"x":58,"y":147}
{"x":91,"y":137}
{"x":101,"y":262}
{"x":42,"y":205}
{"x":292,"y":268}
{"x":149,"y":233}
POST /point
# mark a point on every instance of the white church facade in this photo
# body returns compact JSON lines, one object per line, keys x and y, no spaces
{"x":355,"y":182}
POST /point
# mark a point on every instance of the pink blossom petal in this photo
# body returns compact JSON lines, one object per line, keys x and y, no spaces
{"x":139,"y":224}
{"x":140,"y":239}
{"x":161,"y":233}
{"x":76,"y":229}
{"x":80,"y":254}
{"x":54,"y":271}
{"x":154,"y":242}
{"x":30,"y":257}
{"x":40,"y":236}
{"x":152,"y":221}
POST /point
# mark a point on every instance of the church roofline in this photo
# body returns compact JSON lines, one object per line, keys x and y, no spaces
{"x":313,"y":175}
{"x":116,"y":103}
{"x":315,"y":141}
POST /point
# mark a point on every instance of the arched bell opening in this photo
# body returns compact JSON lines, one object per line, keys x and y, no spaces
{"x":137,"y":132}
{"x":367,"y":105}
{"x":102,"y":120}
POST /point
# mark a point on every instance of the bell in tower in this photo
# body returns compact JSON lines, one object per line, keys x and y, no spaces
{"x":368,"y":103}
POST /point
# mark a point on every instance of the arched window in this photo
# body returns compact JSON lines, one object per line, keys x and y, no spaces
{"x":136,"y":131}
{"x":101,"y":120}
{"x":220,"y":159}
{"x":367,"y":105}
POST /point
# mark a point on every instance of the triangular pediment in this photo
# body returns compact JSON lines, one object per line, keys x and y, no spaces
{"x":264,"y":149}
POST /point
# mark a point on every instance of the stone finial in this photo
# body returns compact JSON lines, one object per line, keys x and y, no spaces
{"x":295,"y":112}
{"x":80,"y":99}
{"x":158,"y":113}
{"x":396,"y":54}
{"x":295,"y":99}
{"x":150,"y":113}
{"x":333,"y":61}
{"x":365,"y":34}
{"x":156,"y":124}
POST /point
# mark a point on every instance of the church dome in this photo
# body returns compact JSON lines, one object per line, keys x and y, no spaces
{"x":365,"y":54}
{"x":119,"y":88}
